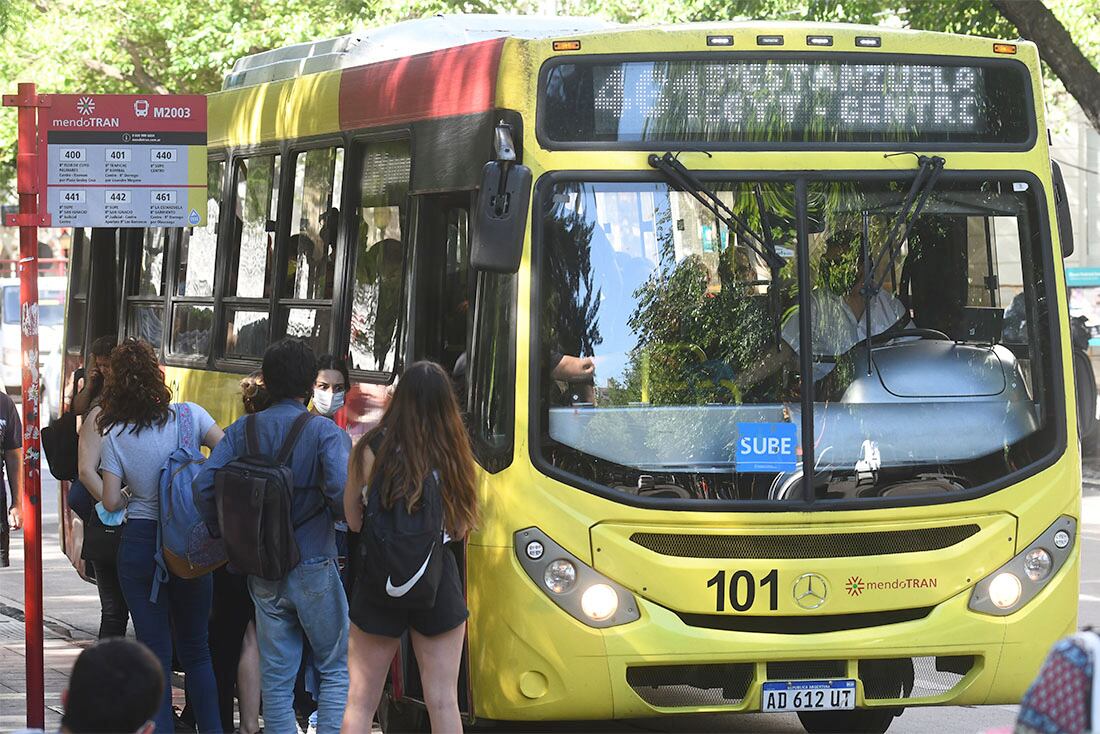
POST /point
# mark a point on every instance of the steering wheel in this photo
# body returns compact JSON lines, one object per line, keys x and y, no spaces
{"x":902,"y":333}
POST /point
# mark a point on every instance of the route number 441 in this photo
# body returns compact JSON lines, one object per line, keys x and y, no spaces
{"x":741,"y":590}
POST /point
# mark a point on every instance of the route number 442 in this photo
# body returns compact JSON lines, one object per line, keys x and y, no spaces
{"x":741,"y":590}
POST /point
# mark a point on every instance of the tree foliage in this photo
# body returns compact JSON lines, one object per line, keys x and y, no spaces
{"x":157,"y":46}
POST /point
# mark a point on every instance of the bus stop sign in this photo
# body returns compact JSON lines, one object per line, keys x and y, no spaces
{"x":123,"y":160}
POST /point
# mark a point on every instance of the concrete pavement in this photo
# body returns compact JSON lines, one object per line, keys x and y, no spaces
{"x":71,"y":611}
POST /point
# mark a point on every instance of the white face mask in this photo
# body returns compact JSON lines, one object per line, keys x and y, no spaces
{"x":327,"y":403}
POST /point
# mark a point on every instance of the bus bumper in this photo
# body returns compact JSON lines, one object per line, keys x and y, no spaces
{"x":532,"y":661}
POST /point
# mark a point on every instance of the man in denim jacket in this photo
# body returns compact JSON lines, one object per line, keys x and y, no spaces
{"x":310,"y":599}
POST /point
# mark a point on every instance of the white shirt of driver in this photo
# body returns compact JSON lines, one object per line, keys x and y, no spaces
{"x":836,"y":329}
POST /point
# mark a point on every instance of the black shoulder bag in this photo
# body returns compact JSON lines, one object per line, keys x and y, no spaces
{"x":59,"y":441}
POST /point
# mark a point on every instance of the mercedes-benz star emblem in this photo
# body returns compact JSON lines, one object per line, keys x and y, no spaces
{"x":810,"y":590}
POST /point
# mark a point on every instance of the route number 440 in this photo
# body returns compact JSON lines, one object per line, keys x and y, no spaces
{"x":741,"y":590}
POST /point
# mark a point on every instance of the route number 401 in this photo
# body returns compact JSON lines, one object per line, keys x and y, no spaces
{"x":741,"y":590}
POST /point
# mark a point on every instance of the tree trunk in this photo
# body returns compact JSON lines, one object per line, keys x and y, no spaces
{"x":1036,"y":23}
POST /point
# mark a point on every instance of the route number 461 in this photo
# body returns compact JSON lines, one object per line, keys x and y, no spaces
{"x":741,"y":590}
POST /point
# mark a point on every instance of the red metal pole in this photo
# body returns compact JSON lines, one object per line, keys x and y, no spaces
{"x":27,"y":176}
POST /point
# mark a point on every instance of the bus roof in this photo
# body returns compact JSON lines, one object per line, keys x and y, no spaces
{"x":447,"y":67}
{"x":444,"y":31}
{"x":407,"y":38}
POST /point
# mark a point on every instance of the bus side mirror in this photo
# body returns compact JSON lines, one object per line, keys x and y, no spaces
{"x":1061,"y":209}
{"x":501,"y":220}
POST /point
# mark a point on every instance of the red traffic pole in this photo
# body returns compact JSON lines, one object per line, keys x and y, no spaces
{"x":27,"y":177}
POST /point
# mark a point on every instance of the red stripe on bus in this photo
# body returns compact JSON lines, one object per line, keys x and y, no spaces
{"x":453,"y":81}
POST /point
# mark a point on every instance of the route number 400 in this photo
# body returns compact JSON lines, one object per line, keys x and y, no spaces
{"x":741,"y":590}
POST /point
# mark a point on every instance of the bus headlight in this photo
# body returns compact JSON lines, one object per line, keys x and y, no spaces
{"x":599,"y":602}
{"x":1037,"y":564}
{"x":1005,"y":590}
{"x":580,"y":590}
{"x":560,"y":576}
{"x":1017,"y":582}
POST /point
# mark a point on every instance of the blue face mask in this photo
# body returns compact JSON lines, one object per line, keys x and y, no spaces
{"x":327,"y":403}
{"x":110,"y":519}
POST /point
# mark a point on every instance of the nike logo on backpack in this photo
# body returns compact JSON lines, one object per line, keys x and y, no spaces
{"x":399,"y":591}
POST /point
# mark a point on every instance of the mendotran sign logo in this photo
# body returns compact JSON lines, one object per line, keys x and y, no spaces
{"x":856,"y":585}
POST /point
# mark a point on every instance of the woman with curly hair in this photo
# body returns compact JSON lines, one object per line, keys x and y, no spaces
{"x":141,"y":427}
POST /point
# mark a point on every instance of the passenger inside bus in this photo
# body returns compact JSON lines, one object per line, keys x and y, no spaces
{"x":379,"y":304}
{"x":838,"y":312}
{"x":311,"y":265}
{"x":574,"y":378}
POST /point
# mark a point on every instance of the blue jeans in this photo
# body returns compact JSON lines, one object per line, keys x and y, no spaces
{"x":183,"y":607}
{"x":309,"y":602}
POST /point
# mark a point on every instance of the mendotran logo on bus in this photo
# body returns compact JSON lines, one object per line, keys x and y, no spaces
{"x":856,"y":585}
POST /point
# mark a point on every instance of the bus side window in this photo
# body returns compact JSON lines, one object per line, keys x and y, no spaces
{"x":192,"y":309}
{"x":251,"y":255}
{"x":981,"y":262}
{"x":198,"y":245}
{"x":308,"y":260}
{"x":145,"y":301}
{"x":457,"y":294}
{"x":441,"y":303}
{"x":379,"y":258}
{"x":491,"y":373}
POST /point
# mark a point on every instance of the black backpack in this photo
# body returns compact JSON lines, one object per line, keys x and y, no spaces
{"x":401,"y":554}
{"x":59,"y":441}
{"x":253,"y":494}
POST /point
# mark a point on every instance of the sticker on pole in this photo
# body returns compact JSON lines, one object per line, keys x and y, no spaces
{"x":767,"y":447}
{"x":123,"y":160}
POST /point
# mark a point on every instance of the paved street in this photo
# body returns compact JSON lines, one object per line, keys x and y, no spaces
{"x":72,"y":617}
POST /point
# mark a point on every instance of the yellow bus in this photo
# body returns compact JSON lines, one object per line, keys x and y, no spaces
{"x":761,"y":330}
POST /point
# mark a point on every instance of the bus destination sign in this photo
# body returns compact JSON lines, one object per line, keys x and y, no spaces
{"x":121,"y":160}
{"x":764,"y":101}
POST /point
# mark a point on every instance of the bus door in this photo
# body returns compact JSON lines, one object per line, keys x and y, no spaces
{"x":91,"y":311}
{"x":440,"y":326}
{"x":104,"y":284}
{"x":442,"y":288}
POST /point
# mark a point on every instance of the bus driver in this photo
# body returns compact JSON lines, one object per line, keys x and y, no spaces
{"x":837,"y":312}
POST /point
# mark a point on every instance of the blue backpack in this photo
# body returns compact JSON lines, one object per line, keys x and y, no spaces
{"x":185,"y":546}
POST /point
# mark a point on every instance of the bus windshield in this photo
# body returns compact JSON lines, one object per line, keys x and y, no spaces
{"x":51,"y":307}
{"x":670,"y":351}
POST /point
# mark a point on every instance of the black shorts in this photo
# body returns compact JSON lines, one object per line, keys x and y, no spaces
{"x":449,"y":611}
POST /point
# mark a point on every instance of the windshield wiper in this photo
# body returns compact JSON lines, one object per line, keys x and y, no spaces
{"x":931,"y":167}
{"x":687,"y":181}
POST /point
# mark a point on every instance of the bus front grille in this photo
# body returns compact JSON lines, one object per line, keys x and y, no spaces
{"x":671,"y":686}
{"x":827,"y":545}
{"x":727,"y":684}
{"x":802,"y":625}
{"x":912,"y":679}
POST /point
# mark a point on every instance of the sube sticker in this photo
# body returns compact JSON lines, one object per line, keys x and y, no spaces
{"x":767,"y":447}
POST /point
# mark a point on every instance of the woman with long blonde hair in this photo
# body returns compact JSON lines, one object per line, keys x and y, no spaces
{"x":421,"y":436}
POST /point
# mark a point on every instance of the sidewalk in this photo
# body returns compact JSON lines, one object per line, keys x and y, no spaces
{"x":71,"y":611}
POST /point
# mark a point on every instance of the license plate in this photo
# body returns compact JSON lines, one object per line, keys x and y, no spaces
{"x":809,"y":695}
